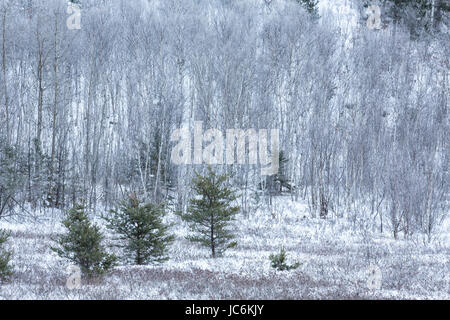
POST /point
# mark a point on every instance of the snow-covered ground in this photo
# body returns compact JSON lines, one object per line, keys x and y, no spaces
{"x":334,"y":259}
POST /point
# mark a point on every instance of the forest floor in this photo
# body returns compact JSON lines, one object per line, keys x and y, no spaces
{"x":335,"y":263}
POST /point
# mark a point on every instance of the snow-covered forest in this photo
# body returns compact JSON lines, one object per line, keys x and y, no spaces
{"x":96,"y":96}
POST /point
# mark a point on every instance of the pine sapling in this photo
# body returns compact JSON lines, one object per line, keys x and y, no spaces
{"x":210,"y":213}
{"x":279,"y":261}
{"x":141,"y":230}
{"x":82,"y":244}
{"x":6,"y":269}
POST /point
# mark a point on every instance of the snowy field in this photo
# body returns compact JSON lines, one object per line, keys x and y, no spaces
{"x":360,"y":111}
{"x":334,"y":261}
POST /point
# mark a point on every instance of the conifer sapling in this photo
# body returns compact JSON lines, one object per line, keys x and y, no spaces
{"x":5,"y":257}
{"x":210,"y":213}
{"x":82,"y":244}
{"x":142,"y":231}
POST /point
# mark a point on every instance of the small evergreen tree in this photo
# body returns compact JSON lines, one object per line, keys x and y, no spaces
{"x":311,"y":7}
{"x":275,"y":183}
{"x":12,"y":175}
{"x":279,"y":261}
{"x":5,"y":258}
{"x":142,"y":229}
{"x":209,"y":214}
{"x":418,"y":16}
{"x":82,"y":244}
{"x":412,"y":13}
